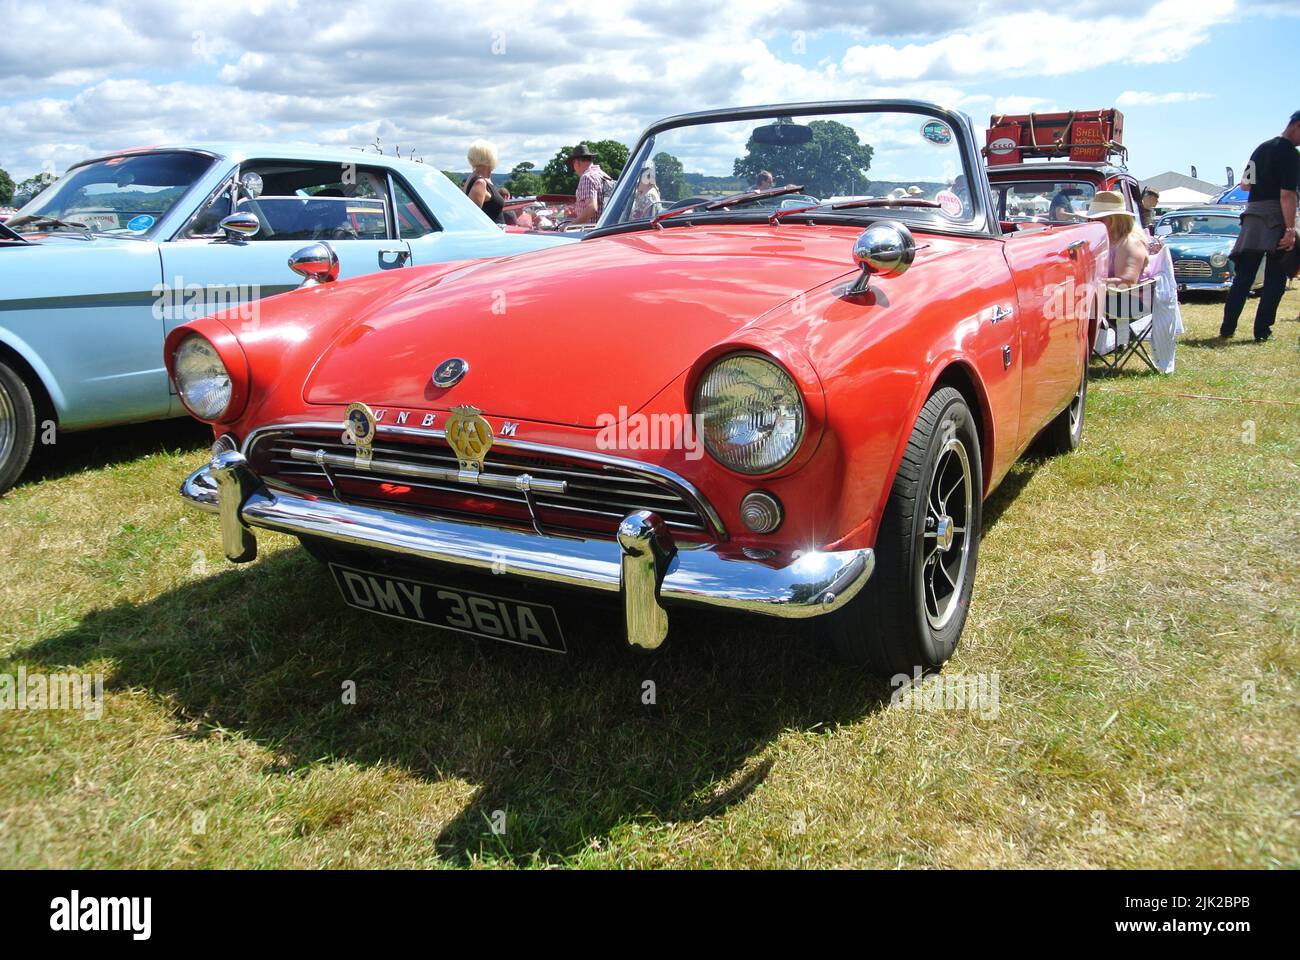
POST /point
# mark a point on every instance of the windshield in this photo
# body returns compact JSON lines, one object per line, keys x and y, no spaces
{"x":884,"y":153}
{"x":122,"y":196}
{"x":1047,"y":201}
{"x":1203,"y":225}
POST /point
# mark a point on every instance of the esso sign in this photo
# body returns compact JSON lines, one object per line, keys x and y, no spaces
{"x":1003,"y":145}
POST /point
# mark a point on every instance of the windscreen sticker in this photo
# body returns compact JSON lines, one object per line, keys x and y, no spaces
{"x":949,"y":203}
{"x":937,"y":132}
{"x":94,"y":219}
{"x":142,"y":222}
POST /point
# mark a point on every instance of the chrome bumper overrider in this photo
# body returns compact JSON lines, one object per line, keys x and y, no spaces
{"x":644,"y":566}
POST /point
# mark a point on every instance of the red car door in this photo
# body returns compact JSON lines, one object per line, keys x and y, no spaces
{"x":1046,"y":270}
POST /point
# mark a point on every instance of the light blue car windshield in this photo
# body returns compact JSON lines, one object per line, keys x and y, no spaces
{"x":121,"y":196}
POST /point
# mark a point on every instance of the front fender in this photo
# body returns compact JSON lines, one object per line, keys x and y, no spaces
{"x":10,"y":340}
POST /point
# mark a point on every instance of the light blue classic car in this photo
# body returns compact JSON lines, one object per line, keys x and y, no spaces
{"x":1200,"y":240}
{"x":98,"y":268}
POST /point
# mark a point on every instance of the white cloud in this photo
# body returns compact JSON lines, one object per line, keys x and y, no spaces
{"x":1029,"y":44}
{"x":1143,"y":98}
{"x":435,"y":75}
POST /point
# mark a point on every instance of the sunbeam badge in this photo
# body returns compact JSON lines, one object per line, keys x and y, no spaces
{"x":469,"y":436}
{"x":359,"y":429}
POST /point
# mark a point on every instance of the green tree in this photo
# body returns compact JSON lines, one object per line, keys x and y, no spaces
{"x":453,"y":176}
{"x":610,"y":154}
{"x":524,"y":182}
{"x":834,"y":162}
{"x":31,"y":187}
{"x":669,"y":177}
{"x":6,"y":187}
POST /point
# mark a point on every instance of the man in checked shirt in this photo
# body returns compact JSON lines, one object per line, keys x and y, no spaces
{"x":591,"y":180}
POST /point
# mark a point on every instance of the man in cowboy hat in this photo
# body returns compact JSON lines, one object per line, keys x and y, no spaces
{"x":590,"y":181}
{"x":1268,"y":229}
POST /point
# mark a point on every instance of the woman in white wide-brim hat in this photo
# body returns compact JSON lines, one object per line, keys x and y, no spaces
{"x":1128,"y":246}
{"x":1130,"y":262}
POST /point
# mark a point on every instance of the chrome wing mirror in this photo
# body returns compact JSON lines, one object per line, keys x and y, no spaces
{"x":884,"y":249}
{"x":315,"y":263}
{"x":240,"y":226}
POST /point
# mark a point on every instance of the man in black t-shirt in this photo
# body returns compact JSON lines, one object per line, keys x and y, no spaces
{"x":1268,"y":229}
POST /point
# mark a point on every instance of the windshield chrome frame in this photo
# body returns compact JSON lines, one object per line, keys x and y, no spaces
{"x":982,"y":223}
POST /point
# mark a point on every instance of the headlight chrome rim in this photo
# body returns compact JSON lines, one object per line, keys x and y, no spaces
{"x":202,"y":378}
{"x":797,"y":408}
{"x":1218,"y":260}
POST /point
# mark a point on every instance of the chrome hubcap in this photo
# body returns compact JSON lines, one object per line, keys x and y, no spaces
{"x":944,"y":534}
{"x":946,"y":542}
{"x":1076,"y":410}
{"x":8,"y":425}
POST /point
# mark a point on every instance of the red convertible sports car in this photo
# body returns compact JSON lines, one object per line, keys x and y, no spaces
{"x":788,"y":402}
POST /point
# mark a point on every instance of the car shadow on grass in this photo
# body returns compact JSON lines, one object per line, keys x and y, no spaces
{"x":564,"y":751}
{"x":93,"y":449}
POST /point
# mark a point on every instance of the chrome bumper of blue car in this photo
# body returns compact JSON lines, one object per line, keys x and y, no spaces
{"x":1204,"y":286}
{"x":645,"y":566}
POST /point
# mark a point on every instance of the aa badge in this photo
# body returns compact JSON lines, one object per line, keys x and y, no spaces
{"x":359,"y":425}
{"x":469,"y":436}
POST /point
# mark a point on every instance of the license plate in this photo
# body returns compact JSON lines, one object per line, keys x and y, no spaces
{"x":497,"y":618}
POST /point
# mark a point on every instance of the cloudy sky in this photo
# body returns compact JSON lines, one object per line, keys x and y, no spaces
{"x":1200,"y":81}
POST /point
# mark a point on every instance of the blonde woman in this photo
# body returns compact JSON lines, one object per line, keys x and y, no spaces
{"x":478,"y":185}
{"x":1128,"y":244}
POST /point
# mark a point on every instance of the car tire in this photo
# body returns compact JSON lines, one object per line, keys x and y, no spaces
{"x":17,"y":426}
{"x":910,"y":615}
{"x":1064,"y":434}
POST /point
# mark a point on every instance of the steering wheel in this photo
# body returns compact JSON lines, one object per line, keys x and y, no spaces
{"x":687,"y":202}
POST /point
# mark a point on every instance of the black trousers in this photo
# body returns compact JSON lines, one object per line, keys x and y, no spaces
{"x":1247,"y":266}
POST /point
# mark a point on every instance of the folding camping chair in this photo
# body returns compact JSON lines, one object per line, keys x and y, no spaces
{"x":1125,"y":328}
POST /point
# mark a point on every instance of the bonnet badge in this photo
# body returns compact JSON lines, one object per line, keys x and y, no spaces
{"x":450,"y":372}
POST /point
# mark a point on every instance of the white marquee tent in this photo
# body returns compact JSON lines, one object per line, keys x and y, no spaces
{"x":1177,"y":197}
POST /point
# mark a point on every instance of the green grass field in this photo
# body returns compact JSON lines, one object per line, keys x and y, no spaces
{"x":1137,"y":604}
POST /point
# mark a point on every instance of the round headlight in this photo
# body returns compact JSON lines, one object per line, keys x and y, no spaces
{"x":1218,"y":260}
{"x":751,"y":413}
{"x":201,"y":378}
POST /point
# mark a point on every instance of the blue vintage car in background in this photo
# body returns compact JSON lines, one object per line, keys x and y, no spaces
{"x":98,"y":268}
{"x":1199,"y":240}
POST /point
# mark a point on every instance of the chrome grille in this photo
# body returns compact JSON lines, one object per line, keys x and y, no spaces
{"x":595,"y":497}
{"x":1192,"y":269}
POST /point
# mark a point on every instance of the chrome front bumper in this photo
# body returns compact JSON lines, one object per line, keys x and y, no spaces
{"x":645,"y":566}
{"x":1204,"y":285}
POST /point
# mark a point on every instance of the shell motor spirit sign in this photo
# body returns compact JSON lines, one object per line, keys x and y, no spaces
{"x":1089,"y":136}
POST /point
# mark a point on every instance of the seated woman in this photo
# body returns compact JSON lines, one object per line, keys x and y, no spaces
{"x":1128,"y":244}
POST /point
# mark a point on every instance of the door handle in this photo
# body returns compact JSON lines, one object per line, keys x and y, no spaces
{"x":1000,"y":313}
{"x":401,"y":255}
{"x":1074,"y":248}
